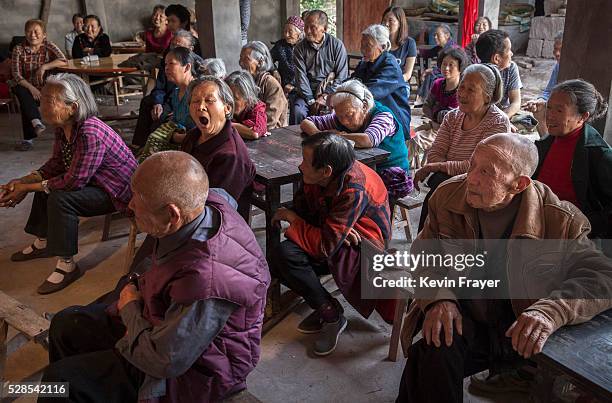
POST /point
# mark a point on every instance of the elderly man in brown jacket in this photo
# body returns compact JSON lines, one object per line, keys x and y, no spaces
{"x":495,"y":200}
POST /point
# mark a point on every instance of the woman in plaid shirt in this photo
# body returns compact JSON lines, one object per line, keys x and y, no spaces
{"x":87,"y":175}
{"x":30,"y":61}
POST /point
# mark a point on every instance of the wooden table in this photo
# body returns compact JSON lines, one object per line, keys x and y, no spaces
{"x":106,"y":67}
{"x":276,"y":160}
{"x":584,"y":354}
{"x":128,"y":47}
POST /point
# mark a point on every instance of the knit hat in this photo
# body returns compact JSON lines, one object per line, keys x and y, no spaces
{"x":297,"y":22}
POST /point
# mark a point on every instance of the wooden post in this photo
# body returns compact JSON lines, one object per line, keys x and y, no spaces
{"x":44,"y":11}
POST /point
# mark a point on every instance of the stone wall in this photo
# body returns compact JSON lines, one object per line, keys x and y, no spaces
{"x":542,"y":34}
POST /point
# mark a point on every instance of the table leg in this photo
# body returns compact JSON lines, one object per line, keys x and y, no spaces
{"x":3,"y":352}
{"x":272,"y":241}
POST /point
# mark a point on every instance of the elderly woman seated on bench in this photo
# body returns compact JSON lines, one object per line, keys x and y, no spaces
{"x":368,"y":123}
{"x":87,"y":175}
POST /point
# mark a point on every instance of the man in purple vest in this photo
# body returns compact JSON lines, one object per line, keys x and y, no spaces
{"x":188,"y":329}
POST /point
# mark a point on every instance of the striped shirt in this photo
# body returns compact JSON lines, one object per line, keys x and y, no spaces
{"x":25,"y":62}
{"x":454,"y":146}
{"x":95,"y":155}
{"x":381,"y":126}
{"x":397,"y":181}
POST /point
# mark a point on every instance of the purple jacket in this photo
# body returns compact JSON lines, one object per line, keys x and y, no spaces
{"x":229,"y":266}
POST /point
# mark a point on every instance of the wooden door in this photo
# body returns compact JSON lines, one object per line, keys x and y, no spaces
{"x":356,"y":16}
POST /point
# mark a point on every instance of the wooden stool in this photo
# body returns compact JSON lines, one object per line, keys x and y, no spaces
{"x":405,"y":204}
{"x":396,"y":330}
{"x":29,"y":326}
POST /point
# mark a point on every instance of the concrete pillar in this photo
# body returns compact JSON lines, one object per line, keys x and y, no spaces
{"x":489,"y":8}
{"x":219,"y":29}
{"x":587,"y":45}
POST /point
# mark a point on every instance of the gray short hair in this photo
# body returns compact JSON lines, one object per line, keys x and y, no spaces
{"x":225,"y":93}
{"x":380,"y":34}
{"x":243,"y":82}
{"x":75,"y":90}
{"x":181,"y":33}
{"x":214,"y":67}
{"x":523,"y":152}
{"x":261,"y":53}
{"x":492,"y":82}
{"x":354,"y":91}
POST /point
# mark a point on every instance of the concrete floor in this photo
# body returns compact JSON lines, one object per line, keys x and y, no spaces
{"x":357,"y":371}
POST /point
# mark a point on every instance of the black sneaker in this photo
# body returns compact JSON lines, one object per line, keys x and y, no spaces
{"x":311,"y":324}
{"x":328,"y":340}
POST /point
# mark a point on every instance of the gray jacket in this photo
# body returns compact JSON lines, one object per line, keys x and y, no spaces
{"x":313,"y":66}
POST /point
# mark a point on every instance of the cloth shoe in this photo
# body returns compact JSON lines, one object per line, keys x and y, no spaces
{"x":328,"y":339}
{"x":505,"y":382}
{"x":313,"y":323}
{"x":48,"y":287}
{"x":35,"y":254}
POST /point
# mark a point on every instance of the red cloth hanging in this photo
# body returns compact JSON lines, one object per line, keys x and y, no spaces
{"x":470,"y":15}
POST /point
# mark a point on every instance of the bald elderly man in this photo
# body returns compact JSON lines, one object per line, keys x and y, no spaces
{"x":499,"y":328}
{"x":188,"y":328}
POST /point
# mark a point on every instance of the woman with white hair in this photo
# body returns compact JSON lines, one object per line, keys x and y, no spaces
{"x":213,"y":67}
{"x":87,"y":175}
{"x":255,"y":58}
{"x":249,"y":112}
{"x":381,"y":73}
{"x":368,"y":123}
{"x":477,"y":118}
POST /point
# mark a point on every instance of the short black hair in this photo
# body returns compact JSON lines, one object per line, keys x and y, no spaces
{"x":184,"y":56}
{"x":75,"y":16}
{"x":456,"y":53}
{"x":490,"y":43}
{"x":330,"y":149}
{"x":181,"y":12}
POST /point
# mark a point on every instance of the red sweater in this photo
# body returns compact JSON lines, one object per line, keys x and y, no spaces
{"x":556,"y":171}
{"x":254,"y":118}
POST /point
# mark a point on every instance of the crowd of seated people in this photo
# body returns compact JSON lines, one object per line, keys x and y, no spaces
{"x":188,"y":317}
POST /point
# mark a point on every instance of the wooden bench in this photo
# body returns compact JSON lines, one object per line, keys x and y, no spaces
{"x":131,"y":248}
{"x":583,"y":354}
{"x":405,"y":204}
{"x":29,"y":325}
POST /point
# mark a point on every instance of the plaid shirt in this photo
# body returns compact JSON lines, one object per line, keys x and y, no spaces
{"x":95,"y":155}
{"x":357,"y":199}
{"x":25,"y":62}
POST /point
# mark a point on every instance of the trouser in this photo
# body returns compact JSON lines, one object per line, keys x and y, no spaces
{"x":81,"y":352}
{"x":301,"y":273}
{"x":434,"y":181}
{"x":29,"y":111}
{"x":435,"y":374}
{"x":145,"y":125}
{"x":298,"y":109}
{"x":55,"y":216}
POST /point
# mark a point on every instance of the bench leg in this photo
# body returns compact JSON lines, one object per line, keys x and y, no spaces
{"x":131,"y":247}
{"x":106,"y":229}
{"x":273,"y":236}
{"x":397,"y":329}
{"x":3,"y":352}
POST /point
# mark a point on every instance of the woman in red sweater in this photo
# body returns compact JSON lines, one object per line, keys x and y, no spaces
{"x":574,"y":160}
{"x":250,"y":119}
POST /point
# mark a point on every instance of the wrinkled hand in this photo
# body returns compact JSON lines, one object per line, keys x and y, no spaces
{"x":12,"y":193}
{"x":442,"y":316}
{"x":538,"y":108}
{"x":288,"y":88}
{"x":40,"y":73}
{"x":128,"y":294}
{"x":156,"y":112}
{"x":88,"y":51}
{"x":529,"y":333}
{"x":426,"y":72}
{"x":474,"y":37}
{"x":283,"y":214}
{"x":422,"y":173}
{"x":352,"y":238}
{"x":35,"y":93}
